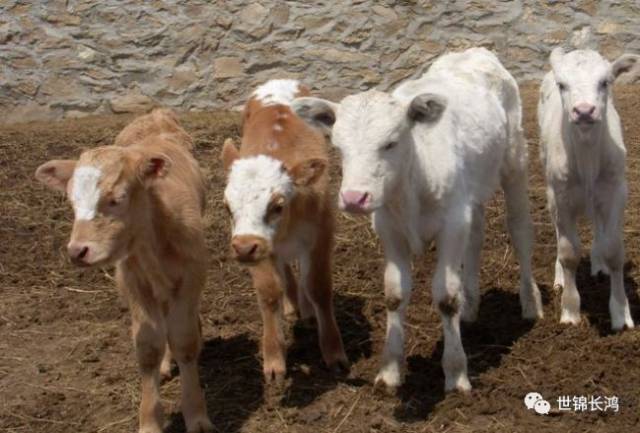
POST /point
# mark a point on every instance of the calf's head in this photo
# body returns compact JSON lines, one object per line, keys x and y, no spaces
{"x":258,"y":197}
{"x":371,"y":129}
{"x":106,"y":187}
{"x":584,"y":79}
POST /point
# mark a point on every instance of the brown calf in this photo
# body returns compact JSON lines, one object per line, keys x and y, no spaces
{"x":278,"y":197}
{"x":139,"y":204}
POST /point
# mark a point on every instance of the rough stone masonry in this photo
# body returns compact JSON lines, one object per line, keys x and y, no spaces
{"x":70,"y":58}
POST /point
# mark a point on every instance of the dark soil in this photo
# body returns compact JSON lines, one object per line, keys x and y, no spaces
{"x":66,"y":360}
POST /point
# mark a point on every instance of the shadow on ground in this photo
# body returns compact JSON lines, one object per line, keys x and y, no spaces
{"x":231,"y":376}
{"x":486,"y":342}
{"x":309,"y":376}
{"x":594,"y":293}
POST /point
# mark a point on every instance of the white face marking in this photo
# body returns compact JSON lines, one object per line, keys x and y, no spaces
{"x":252,"y":182}
{"x":85,"y":193}
{"x":277,"y":92}
{"x":277,"y":127}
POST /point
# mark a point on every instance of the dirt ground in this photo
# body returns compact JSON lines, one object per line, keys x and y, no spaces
{"x":67,"y":364}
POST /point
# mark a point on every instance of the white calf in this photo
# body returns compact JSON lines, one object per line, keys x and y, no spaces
{"x":424,"y":160}
{"x":584,"y":158}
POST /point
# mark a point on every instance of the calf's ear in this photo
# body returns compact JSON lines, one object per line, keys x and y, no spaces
{"x":56,"y":173}
{"x":427,"y":108}
{"x":317,"y":112}
{"x":229,"y":154}
{"x":153,"y":166}
{"x":307,"y":172}
{"x":626,"y":63}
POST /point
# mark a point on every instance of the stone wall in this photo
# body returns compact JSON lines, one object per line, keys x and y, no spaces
{"x":64,"y":58}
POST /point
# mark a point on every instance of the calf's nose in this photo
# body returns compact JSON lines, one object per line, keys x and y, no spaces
{"x":584,"y":111}
{"x":78,"y":251}
{"x":247,"y":248}
{"x":355,"y":198}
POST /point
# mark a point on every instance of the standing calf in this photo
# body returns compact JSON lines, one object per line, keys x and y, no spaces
{"x":278,"y":198}
{"x":584,"y":158}
{"x":139,"y":204}
{"x":423,"y":161}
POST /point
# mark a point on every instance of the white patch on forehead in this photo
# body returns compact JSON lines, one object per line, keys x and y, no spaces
{"x":85,"y":193}
{"x":277,"y":92}
{"x":252,"y":182}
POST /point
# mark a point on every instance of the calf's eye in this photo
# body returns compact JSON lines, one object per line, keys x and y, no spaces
{"x":604,"y":84}
{"x":390,"y":145}
{"x":562,"y":87}
{"x":277,"y":209}
{"x":115,"y":201}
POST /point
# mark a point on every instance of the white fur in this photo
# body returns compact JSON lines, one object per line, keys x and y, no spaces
{"x":252,"y":182}
{"x":433,"y":185}
{"x":277,"y":92}
{"x":584,"y":166}
{"x":85,"y":192}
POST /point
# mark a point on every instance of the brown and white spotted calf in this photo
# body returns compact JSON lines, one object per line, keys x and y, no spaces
{"x":278,"y":198}
{"x":139,"y":204}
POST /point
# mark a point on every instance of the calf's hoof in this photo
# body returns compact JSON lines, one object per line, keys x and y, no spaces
{"x":274,"y":372}
{"x":620,"y":316}
{"x":568,"y":317}
{"x":598,"y":268}
{"x":340,"y":367}
{"x":382,"y":389}
{"x":389,"y":379}
{"x":201,"y":424}
{"x":150,"y":428}
{"x":459,"y":383}
{"x":532,"y":311}
{"x":530,"y":300}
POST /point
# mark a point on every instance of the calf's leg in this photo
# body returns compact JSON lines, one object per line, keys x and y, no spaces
{"x":290,"y":303}
{"x":397,"y":293}
{"x":269,"y":288}
{"x":598,"y":249}
{"x":185,"y":342}
{"x":149,"y":341}
{"x":296,"y":299}
{"x":447,"y":296}
{"x":165,"y":364}
{"x":609,"y":216}
{"x":568,"y":258}
{"x":558,"y":279}
{"x":471,"y":302}
{"x":520,"y":228}
{"x":320,"y":292}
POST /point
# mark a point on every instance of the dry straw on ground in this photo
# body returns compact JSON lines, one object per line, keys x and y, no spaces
{"x":66,"y":362}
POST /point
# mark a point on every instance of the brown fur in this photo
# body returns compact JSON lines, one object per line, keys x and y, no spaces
{"x":157,"y":243}
{"x":159,"y":121}
{"x":274,"y":130}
